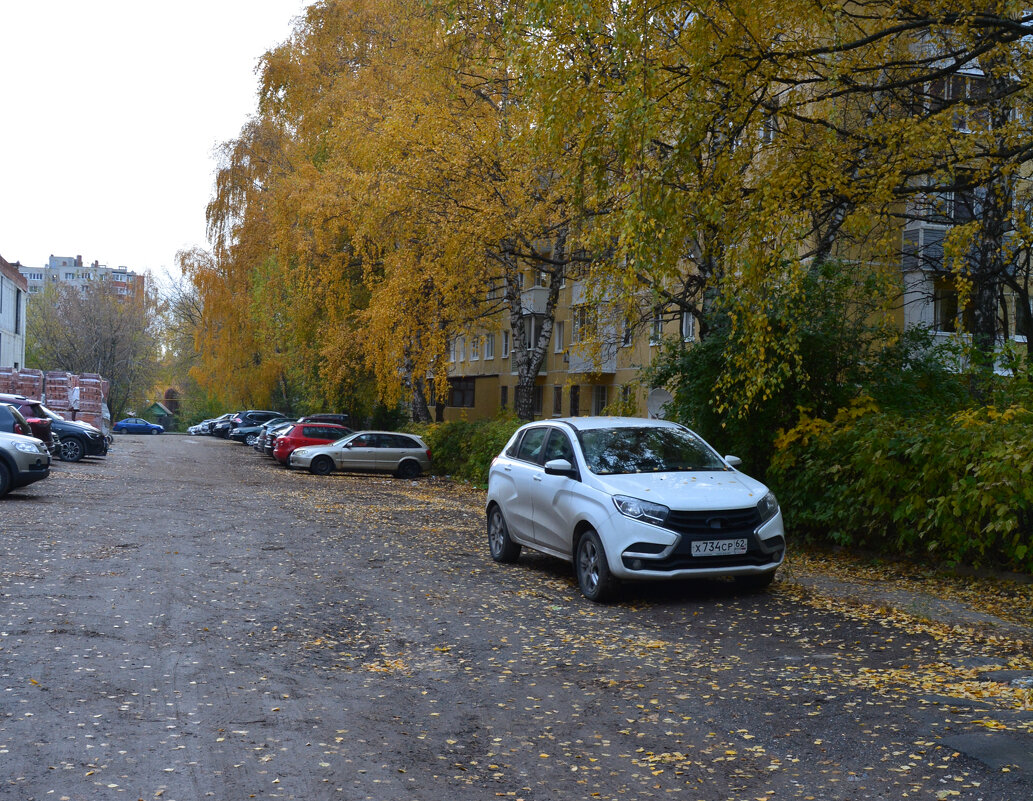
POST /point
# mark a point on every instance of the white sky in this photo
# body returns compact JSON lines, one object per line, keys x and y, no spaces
{"x":110,"y":112}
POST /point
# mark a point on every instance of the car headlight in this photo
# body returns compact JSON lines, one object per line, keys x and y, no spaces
{"x":767,"y":507}
{"x":28,"y":447}
{"x":647,"y":511}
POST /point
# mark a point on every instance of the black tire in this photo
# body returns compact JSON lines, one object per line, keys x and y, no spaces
{"x":500,"y":545}
{"x":755,"y":582}
{"x":5,"y":480}
{"x":117,"y":430}
{"x":72,"y":449}
{"x":321,"y":466}
{"x":410,"y":468}
{"x":154,"y":431}
{"x":593,"y":571}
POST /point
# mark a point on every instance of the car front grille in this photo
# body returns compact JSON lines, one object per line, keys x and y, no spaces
{"x":716,"y":524}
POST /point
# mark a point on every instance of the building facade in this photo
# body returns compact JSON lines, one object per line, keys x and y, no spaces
{"x":70,"y":271}
{"x":13,"y":293}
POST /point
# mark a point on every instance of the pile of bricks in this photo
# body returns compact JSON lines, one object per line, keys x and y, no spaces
{"x":91,"y":398}
{"x":79,"y":397}
{"x":28,"y":383}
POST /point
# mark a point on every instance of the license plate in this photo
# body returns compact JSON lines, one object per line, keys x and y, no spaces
{"x":719,"y":547}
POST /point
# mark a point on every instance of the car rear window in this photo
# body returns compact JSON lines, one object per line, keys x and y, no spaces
{"x":611,"y":451}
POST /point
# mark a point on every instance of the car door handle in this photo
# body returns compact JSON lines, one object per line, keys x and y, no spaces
{"x":537,"y":478}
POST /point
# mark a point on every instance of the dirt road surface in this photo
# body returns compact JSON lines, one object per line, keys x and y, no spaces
{"x":184,"y":620}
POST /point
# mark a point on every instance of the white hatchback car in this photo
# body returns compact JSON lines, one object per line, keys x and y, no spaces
{"x":629,"y":498}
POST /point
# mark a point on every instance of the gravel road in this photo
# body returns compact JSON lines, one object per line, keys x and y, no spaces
{"x":184,"y":620}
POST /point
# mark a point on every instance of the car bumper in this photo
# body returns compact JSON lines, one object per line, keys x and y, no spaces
{"x":637,"y":550}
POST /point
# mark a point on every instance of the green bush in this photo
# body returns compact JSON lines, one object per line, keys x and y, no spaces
{"x":464,"y":449}
{"x":955,"y":486}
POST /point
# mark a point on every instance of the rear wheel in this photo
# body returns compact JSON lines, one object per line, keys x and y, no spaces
{"x":72,"y":449}
{"x":408,"y":469}
{"x":5,"y":480}
{"x":501,"y":546}
{"x":593,"y":571}
{"x":321,"y":466}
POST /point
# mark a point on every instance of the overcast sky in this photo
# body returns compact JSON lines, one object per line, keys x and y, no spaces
{"x":111,"y":111}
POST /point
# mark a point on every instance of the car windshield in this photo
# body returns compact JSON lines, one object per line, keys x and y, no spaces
{"x":612,"y":451}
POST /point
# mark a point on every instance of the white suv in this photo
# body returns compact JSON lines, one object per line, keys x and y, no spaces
{"x":629,"y":498}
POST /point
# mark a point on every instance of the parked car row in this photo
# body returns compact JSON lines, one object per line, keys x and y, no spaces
{"x":322,"y":443}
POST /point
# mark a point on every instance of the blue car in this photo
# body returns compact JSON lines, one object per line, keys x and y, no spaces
{"x":136,"y":425}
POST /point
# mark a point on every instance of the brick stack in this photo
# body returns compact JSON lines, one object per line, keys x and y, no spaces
{"x":29,"y":383}
{"x":6,"y":379}
{"x":91,"y":398}
{"x":58,"y":390}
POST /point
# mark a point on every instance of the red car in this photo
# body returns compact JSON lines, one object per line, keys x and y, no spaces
{"x":301,"y":434}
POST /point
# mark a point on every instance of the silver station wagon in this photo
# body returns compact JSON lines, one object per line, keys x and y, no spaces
{"x":404,"y":455}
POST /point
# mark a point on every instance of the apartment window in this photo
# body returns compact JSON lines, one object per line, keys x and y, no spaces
{"x":656,"y":331}
{"x":541,"y":278}
{"x":575,"y":400}
{"x":688,"y":326}
{"x":537,"y":399}
{"x":452,"y":352}
{"x":946,"y":311}
{"x":503,"y":397}
{"x":626,"y":394}
{"x":1023,"y":318}
{"x":558,"y":340}
{"x":69,"y":276}
{"x":489,"y":347}
{"x":557,"y":400}
{"x":460,"y":349}
{"x":626,"y":336}
{"x":460,"y":392}
{"x":505,"y":344}
{"x":583,"y":324}
{"x":475,"y":349}
{"x":598,"y":399}
{"x":17,"y":311}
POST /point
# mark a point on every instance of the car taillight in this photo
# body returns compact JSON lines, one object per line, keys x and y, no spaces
{"x":428,"y":455}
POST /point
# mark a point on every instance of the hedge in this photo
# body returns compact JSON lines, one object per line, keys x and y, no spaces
{"x":956,"y":487}
{"x":464,"y":449}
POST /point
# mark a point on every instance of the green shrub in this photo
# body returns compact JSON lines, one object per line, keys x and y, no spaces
{"x":464,"y":449}
{"x":956,"y":486}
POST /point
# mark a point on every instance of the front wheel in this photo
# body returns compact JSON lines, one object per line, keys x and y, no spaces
{"x":251,"y":439}
{"x":593,"y":571}
{"x":321,"y":466}
{"x":72,"y":450}
{"x":501,"y":546}
{"x":154,"y":431}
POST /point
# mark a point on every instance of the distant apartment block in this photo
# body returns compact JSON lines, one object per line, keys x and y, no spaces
{"x":13,"y":292}
{"x":70,"y":271}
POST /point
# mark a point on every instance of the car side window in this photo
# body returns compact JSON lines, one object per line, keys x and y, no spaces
{"x":403,"y":442}
{"x":363,"y":441}
{"x":531,"y":446}
{"x":559,"y":447}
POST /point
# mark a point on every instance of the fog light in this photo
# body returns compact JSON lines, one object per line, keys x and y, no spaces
{"x":636,"y":564}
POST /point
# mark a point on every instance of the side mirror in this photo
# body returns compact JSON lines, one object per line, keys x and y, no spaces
{"x":733,"y":461}
{"x":560,"y":467}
